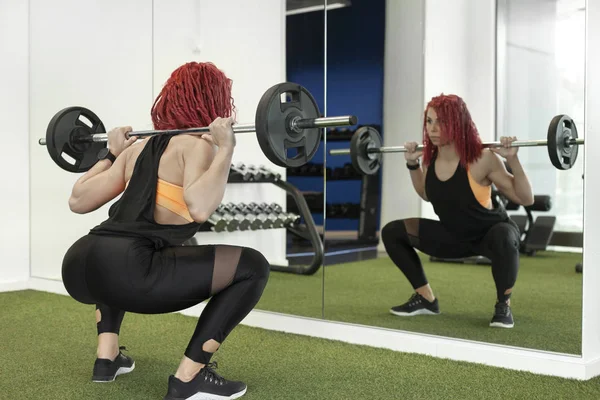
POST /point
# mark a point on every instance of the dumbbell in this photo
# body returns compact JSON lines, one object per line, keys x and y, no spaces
{"x":268,"y":175}
{"x":256,"y":174}
{"x":257,"y":221}
{"x":241,"y":169}
{"x":288,"y":218}
{"x":251,"y":220}
{"x":243,"y":223}
{"x":279,"y":220}
{"x":268,"y":220}
{"x":232,"y":223}
{"x":222,"y":221}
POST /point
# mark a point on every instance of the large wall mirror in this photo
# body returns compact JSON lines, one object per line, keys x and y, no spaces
{"x":515,"y":64}
{"x":117,"y":73}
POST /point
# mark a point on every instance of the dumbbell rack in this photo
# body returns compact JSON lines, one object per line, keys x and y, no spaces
{"x":308,"y":232}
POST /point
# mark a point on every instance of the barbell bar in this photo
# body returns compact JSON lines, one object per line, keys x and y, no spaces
{"x":402,"y":149}
{"x":562,"y":142}
{"x":287,"y":125}
{"x":297,"y":124}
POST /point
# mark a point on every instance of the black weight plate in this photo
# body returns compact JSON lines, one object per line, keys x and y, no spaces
{"x":364,"y":138}
{"x":69,"y":133}
{"x":276,"y":109}
{"x":562,"y":154}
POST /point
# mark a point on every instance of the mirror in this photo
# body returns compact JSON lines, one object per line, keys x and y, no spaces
{"x":119,"y":73}
{"x":516,"y":64}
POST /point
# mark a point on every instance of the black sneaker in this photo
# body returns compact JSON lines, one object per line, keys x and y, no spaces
{"x":207,"y":385}
{"x":417,"y":305}
{"x":106,"y":370}
{"x":502,"y":316}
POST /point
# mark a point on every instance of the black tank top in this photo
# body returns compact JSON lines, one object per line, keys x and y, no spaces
{"x":457,"y":207}
{"x":133,"y":214}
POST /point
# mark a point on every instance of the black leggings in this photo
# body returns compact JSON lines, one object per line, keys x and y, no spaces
{"x":500,"y":244}
{"x":120,"y":275}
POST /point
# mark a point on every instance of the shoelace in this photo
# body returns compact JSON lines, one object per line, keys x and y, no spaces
{"x":414,"y":299}
{"x":210,"y":375}
{"x":502,"y":308}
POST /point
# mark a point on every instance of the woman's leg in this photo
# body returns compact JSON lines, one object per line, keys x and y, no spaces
{"x":110,"y":361}
{"x":401,"y":238}
{"x":501,"y":245}
{"x":180,"y":277}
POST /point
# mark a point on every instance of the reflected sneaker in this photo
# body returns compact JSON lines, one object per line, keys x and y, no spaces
{"x":417,"y":305}
{"x":106,"y":370}
{"x":207,"y":385}
{"x":502,"y":316}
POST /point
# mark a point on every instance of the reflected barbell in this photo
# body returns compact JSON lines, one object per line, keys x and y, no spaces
{"x":562,"y":142}
{"x":287,"y":125}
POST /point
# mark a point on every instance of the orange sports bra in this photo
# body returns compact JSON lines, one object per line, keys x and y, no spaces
{"x":170,"y":196}
{"x":483,"y":194}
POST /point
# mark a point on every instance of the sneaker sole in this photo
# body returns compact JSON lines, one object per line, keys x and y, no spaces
{"x":422,"y":311}
{"x":208,"y":396}
{"x":120,"y":371}
{"x":501,"y":325}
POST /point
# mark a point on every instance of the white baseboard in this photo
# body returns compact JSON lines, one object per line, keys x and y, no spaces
{"x":13,"y":286}
{"x":535,"y":361}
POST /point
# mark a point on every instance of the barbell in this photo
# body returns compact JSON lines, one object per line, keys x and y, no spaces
{"x":366,"y":147}
{"x":287,"y":125}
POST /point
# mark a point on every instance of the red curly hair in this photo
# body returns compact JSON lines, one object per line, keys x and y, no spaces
{"x":194,"y":96}
{"x":457,"y":127}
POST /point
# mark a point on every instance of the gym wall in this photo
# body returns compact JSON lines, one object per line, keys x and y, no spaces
{"x":14,"y":121}
{"x":113,"y":57}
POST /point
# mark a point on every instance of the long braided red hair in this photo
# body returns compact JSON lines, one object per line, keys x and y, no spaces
{"x":194,"y":96}
{"x":457,"y":126}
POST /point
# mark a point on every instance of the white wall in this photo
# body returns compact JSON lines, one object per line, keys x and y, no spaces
{"x":112,"y":57}
{"x":591,"y":211}
{"x":402,"y":104}
{"x":14,"y":127}
{"x":460,"y":59}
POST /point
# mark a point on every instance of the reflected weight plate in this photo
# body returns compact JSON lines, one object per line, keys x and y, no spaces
{"x":365,"y":138}
{"x":69,"y":139}
{"x":562,"y":154}
{"x":277,"y":108}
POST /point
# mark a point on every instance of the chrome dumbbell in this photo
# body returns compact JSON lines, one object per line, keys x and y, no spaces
{"x":243,"y":222}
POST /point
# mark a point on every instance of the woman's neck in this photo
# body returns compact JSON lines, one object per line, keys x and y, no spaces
{"x":448,"y":153}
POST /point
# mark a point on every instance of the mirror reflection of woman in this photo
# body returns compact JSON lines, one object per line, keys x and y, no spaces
{"x":456,"y":177}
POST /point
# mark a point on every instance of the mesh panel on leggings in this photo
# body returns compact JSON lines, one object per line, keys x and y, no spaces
{"x":412,"y":231}
{"x":227,"y":259}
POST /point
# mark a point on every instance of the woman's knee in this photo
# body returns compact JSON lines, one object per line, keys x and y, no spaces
{"x":254,"y":263}
{"x":505,"y":239}
{"x":393,"y":231}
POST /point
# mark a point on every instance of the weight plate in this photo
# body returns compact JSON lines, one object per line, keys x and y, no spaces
{"x":277,"y":108}
{"x":562,"y":154}
{"x":365,"y":138}
{"x":68,"y":139}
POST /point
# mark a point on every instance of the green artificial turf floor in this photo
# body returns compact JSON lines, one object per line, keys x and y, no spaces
{"x":49,"y":342}
{"x":546,"y":303}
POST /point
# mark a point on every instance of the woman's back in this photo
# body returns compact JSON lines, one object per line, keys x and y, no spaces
{"x":180,"y":163}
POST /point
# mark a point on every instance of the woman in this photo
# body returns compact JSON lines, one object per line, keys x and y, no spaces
{"x":134,"y":261}
{"x":456,"y":177}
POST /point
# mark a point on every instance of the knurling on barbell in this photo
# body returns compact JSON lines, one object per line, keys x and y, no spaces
{"x":562,"y":143}
{"x":288,"y":126}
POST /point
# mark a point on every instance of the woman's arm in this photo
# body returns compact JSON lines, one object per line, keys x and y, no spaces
{"x":104,"y":181}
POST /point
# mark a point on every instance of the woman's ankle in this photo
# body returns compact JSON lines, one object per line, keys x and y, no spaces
{"x":188,"y":370}
{"x":427,"y":293}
